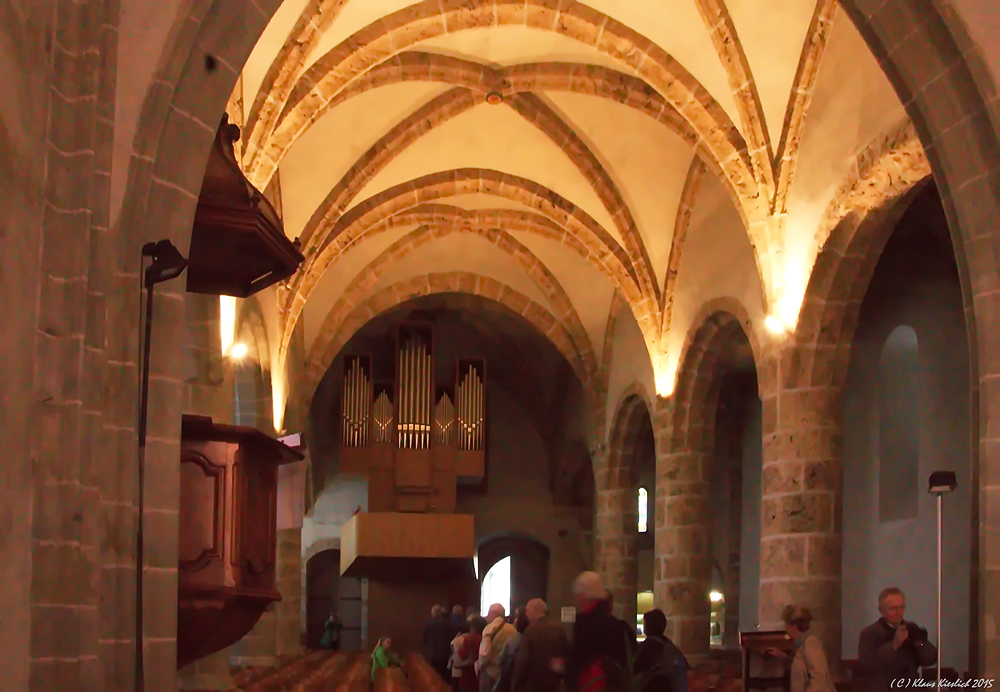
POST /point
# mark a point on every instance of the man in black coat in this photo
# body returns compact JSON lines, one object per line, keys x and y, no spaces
{"x":438,"y":633}
{"x":892,"y":648}
{"x":658,"y":660}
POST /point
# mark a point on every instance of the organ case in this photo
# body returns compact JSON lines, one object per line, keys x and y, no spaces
{"x":414,"y":438}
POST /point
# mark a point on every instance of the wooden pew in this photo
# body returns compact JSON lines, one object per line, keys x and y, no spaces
{"x":422,"y":677}
{"x":330,"y":673}
{"x":391,"y":680}
{"x":245,"y":677}
{"x":288,"y":676}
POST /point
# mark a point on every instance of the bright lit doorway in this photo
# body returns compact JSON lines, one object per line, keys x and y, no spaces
{"x":496,"y":587}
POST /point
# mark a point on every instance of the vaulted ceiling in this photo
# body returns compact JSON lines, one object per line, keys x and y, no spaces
{"x":555,"y":152}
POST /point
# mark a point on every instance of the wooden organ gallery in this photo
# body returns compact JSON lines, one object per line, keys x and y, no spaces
{"x":415,"y":438}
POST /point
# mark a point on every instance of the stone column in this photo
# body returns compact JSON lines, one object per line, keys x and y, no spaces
{"x":288,"y":611}
{"x":615,"y":551}
{"x":209,"y":673}
{"x":800,"y":530}
{"x":731,"y":632}
{"x":682,"y":563}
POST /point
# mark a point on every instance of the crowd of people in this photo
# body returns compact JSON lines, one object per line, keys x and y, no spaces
{"x":530,"y":652}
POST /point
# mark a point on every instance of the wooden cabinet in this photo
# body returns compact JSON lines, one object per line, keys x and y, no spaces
{"x":228,"y":530}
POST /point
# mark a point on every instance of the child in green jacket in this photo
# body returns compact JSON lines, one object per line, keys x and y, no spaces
{"x":384,"y":656}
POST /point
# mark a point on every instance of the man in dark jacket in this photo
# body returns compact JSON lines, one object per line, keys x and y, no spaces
{"x":540,"y":665}
{"x":599,"y":660}
{"x":438,"y":633}
{"x":658,"y":660}
{"x":891,"y":648}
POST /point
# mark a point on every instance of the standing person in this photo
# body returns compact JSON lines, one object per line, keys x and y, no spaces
{"x":437,"y":636}
{"x":540,"y":665}
{"x":470,"y":653}
{"x":658,"y":662}
{"x":507,"y":657}
{"x":457,"y":615}
{"x":810,"y":672}
{"x":384,"y":657}
{"x":495,"y":637}
{"x":628,"y":631}
{"x":456,"y":663}
{"x":892,"y":648}
{"x":599,"y":660}
{"x":331,"y":633}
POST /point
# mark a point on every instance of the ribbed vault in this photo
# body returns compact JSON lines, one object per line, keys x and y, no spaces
{"x":580,"y":160}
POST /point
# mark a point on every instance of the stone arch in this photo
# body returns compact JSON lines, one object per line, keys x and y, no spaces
{"x":351,"y":316}
{"x":532,"y":266}
{"x":857,"y":225}
{"x":616,"y":540}
{"x":686,"y":444}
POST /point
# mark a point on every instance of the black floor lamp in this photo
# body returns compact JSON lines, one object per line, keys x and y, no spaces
{"x":939,"y":484}
{"x":167,"y":264}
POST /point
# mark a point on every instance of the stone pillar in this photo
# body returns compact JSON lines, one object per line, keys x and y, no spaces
{"x":257,"y":648}
{"x":800,"y":530}
{"x":288,"y":611}
{"x":731,"y":631}
{"x":615,"y":550}
{"x":682,"y":564}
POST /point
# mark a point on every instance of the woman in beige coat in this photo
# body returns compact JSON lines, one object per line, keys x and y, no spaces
{"x":810,"y":672}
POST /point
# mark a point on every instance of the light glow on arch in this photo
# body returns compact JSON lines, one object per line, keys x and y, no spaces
{"x":279,"y":395}
{"x":665,"y":374}
{"x":227,"y":322}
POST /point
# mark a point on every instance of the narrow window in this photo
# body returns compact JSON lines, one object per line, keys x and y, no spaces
{"x":643,"y":506}
{"x":898,"y":443}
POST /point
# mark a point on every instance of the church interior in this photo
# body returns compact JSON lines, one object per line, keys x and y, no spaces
{"x":367,"y":306}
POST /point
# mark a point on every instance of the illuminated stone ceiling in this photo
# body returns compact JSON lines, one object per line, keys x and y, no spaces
{"x":550,"y":154}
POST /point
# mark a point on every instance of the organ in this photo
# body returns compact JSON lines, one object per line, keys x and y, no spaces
{"x":414,"y":438}
{"x":416,"y":434}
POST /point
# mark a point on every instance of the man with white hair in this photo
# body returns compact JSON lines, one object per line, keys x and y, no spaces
{"x":600,"y":646}
{"x":540,"y":665}
{"x":495,"y":637}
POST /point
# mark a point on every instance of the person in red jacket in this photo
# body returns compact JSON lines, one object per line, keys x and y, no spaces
{"x":469,"y":680}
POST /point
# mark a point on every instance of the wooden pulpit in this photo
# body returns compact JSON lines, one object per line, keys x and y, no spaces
{"x":228,"y":519}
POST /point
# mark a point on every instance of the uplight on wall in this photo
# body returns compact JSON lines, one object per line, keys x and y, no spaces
{"x":238,"y":351}
{"x":775,"y":325}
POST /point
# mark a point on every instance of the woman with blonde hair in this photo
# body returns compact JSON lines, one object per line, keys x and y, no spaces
{"x":810,"y":672}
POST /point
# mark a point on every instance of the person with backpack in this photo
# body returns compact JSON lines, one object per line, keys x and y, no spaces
{"x":507,"y":656}
{"x":659,"y":665}
{"x":540,"y":665}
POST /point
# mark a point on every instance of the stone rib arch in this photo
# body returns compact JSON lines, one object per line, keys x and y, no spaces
{"x":689,"y":195}
{"x":351,"y":317}
{"x":532,"y":266}
{"x":597,"y":81}
{"x":451,"y":104}
{"x":288,"y":64}
{"x":734,"y":61}
{"x":797,"y":111}
{"x":377,"y":158}
{"x":438,"y":215}
{"x":535,"y":111}
{"x":371,"y":216}
{"x":856,"y":226}
{"x":396,"y":32}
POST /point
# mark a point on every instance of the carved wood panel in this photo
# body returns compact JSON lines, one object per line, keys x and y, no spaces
{"x":202,"y":511}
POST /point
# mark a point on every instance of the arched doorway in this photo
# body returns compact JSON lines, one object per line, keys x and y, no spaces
{"x":515,"y":566}
{"x":327,"y":592}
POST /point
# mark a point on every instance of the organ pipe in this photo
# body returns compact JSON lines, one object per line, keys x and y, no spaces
{"x":444,"y":421}
{"x":355,"y":405}
{"x":470,"y":412}
{"x":382,"y":417}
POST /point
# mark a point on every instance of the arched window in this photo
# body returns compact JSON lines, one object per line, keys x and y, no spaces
{"x":643,"y":507}
{"x":898,"y":435}
{"x":496,"y":587}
